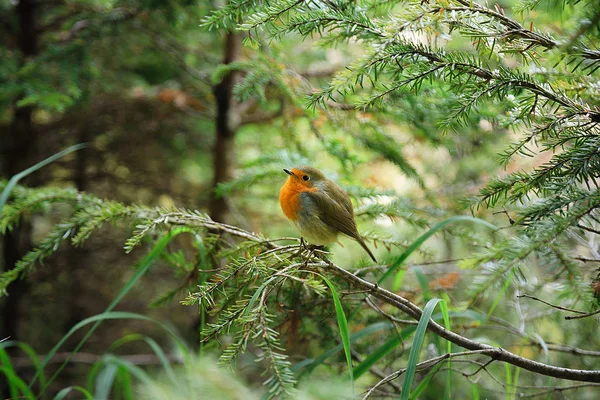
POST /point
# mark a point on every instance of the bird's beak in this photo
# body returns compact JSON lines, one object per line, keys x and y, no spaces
{"x":287,"y":171}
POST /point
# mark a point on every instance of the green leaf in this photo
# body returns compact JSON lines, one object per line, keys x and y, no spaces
{"x":123,"y":384}
{"x":27,"y":350}
{"x":502,"y":291}
{"x":153,"y":345}
{"x":425,"y":382}
{"x":419,"y":242}
{"x":16,"y":385}
{"x":164,"y":361}
{"x":310,"y":364}
{"x":143,"y":267}
{"x":424,"y":283}
{"x":64,"y":392}
{"x":475,"y":391}
{"x":15,"y":179}
{"x":104,"y":382}
{"x":136,"y":371}
{"x":398,"y":279}
{"x":382,"y":350}
{"x":343,"y":326}
{"x":445,"y":314}
{"x":413,"y":357}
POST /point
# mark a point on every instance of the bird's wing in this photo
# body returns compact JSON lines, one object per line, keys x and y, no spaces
{"x":334,"y":191}
{"x":347,"y":204}
{"x":337,"y":215}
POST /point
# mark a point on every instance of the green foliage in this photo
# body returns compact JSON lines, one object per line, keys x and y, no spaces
{"x":7,"y":189}
{"x":416,"y":348}
{"x":403,"y":71}
{"x":343,"y":326}
{"x":560,"y":120}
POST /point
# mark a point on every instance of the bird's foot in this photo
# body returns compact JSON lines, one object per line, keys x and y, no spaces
{"x":315,"y":247}
{"x":303,"y":247}
{"x":311,"y":252}
{"x":309,"y":248}
{"x":303,"y":243}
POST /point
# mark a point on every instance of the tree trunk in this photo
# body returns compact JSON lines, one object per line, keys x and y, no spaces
{"x":227,"y":123}
{"x":19,"y":153}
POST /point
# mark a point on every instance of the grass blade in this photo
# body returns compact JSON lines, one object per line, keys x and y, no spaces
{"x":164,"y":361}
{"x":413,"y":357}
{"x":27,"y":350}
{"x":16,"y":385}
{"x":136,"y":371}
{"x":475,"y":391}
{"x":104,"y":382}
{"x":508,"y":381}
{"x":502,"y":291}
{"x":15,"y":179}
{"x":424,"y":382}
{"x":123,"y":384}
{"x":419,"y":242}
{"x":160,"y":354}
{"x":424,"y":283}
{"x":342,"y":324}
{"x":64,"y":392}
{"x":380,"y":352}
{"x":398,"y":279}
{"x":143,"y":266}
{"x":446,"y":315}
{"x":309,"y":364}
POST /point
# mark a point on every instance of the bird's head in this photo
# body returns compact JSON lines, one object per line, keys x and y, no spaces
{"x":305,"y":176}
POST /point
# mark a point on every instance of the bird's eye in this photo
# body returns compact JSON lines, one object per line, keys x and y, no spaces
{"x":306,"y":177}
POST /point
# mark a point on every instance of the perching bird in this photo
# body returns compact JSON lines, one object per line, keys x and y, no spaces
{"x":318,"y":207}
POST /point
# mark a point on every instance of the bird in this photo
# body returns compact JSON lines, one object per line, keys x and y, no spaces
{"x":318,"y":207}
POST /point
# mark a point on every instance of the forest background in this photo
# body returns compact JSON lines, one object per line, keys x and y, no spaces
{"x":465,"y":132}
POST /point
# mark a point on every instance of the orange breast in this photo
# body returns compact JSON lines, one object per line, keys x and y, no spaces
{"x":290,"y":202}
{"x":289,"y":197}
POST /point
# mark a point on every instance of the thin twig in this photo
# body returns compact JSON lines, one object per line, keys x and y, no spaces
{"x":389,"y":316}
{"x":557,"y":389}
{"x":583,"y":315}
{"x":501,"y":354}
{"x":587,"y":228}
{"x":582,"y":259}
{"x":401,"y":304}
{"x":552,"y":305}
{"x":427,"y":364}
{"x":375,"y":371}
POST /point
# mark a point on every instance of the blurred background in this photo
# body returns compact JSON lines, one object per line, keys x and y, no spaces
{"x":176,"y":115}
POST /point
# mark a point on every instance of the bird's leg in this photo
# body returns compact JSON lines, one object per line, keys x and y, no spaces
{"x":303,"y":243}
{"x":303,"y":246}
{"x":312,"y":248}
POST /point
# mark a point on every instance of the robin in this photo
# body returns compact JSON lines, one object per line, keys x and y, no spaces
{"x":318,"y":207}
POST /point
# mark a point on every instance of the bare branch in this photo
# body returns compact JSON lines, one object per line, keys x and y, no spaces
{"x":423,"y":365}
{"x":559,"y":389}
{"x":376,"y":371}
{"x":587,"y":228}
{"x":499,"y":353}
{"x":551,"y":305}
{"x":583,"y":315}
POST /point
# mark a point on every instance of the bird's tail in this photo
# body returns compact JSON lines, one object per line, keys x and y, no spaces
{"x":364,"y":246}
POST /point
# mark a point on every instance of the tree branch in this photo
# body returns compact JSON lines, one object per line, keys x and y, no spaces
{"x":498,"y":354}
{"x":551,"y":305}
{"x":408,"y":307}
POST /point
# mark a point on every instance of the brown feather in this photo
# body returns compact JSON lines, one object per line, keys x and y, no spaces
{"x":335,"y":209}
